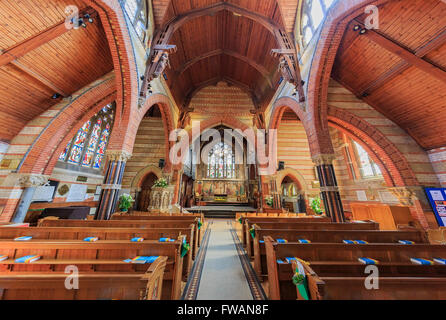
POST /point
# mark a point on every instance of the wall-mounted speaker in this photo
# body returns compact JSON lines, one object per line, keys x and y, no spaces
{"x":281,"y":165}
{"x":162,"y":163}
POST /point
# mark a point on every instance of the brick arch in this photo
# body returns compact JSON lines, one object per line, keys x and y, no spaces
{"x":142,"y":174}
{"x":88,"y":100}
{"x":124,"y":61}
{"x":395,"y":167}
{"x":294,"y":175}
{"x":163,"y":103}
{"x":338,"y":17}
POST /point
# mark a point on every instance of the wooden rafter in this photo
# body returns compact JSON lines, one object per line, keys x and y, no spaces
{"x":261,"y":69}
{"x":22,"y":48}
{"x":404,"y":65}
{"x":411,"y":59}
{"x":39,"y":78}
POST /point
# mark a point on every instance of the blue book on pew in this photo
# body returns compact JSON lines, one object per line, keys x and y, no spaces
{"x":368,"y":261}
{"x":91,"y":239}
{"x":305,"y":241}
{"x":142,"y":259}
{"x":405,"y":242}
{"x":440,"y":260}
{"x":261,"y":241}
{"x":361,"y":242}
{"x":348,"y":241}
{"x":282,"y":241}
{"x":28,"y":259}
{"x":137,"y":239}
{"x":166,"y":240}
{"x":25,"y":238}
{"x":280,"y":261}
{"x":422,"y":261}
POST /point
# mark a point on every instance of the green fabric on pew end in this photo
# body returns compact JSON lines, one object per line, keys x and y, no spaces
{"x":185,"y":247}
{"x":252,"y":232}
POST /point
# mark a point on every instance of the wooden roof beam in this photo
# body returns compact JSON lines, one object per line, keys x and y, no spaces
{"x":424,"y":50}
{"x":21,"y":49}
{"x":39,"y":78}
{"x":261,"y":69}
{"x":411,"y":59}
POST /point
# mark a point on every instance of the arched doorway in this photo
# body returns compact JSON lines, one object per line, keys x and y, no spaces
{"x":144,"y":194}
{"x":293,"y":198}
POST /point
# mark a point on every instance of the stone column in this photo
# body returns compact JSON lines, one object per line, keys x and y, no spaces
{"x":329,"y":187}
{"x":29,"y":182}
{"x":116,"y":161}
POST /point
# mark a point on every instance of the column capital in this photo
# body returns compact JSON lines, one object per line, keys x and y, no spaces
{"x":118,"y":155}
{"x":32,"y":180}
{"x":323,"y":159}
{"x":407,"y":194}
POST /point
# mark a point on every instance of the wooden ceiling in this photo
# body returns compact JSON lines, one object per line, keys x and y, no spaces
{"x":400,"y":69}
{"x":41,"y":57}
{"x":224,"y":46}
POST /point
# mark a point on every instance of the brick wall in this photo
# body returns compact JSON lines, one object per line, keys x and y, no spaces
{"x":294,"y":150}
{"x":149,"y":148}
{"x":438,"y":160}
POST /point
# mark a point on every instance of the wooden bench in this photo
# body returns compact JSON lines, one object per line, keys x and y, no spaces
{"x":142,"y":224}
{"x":78,"y":233}
{"x":92,"y":286}
{"x":256,"y":219}
{"x":339,"y":261}
{"x":303,"y":224}
{"x":327,"y":236}
{"x":101,"y":256}
{"x":138,"y":217}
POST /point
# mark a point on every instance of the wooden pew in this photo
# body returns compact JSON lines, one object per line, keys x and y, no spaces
{"x":78,"y":233}
{"x":257,"y":219}
{"x":120,"y":224}
{"x":327,"y":236}
{"x":92,"y":286}
{"x":339,"y":262}
{"x":304,"y":224}
{"x":138,"y":217}
{"x":101,"y":256}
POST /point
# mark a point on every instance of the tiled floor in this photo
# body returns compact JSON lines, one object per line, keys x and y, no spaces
{"x":222,"y":277}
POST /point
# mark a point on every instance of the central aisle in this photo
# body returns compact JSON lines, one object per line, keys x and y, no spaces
{"x":222,"y":277}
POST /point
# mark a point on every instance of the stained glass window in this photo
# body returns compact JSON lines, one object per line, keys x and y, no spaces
{"x":221,"y":162}
{"x":313,"y":13}
{"x":88,"y":146}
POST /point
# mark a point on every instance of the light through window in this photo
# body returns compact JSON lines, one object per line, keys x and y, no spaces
{"x":313,"y":13}
{"x":88,"y":146}
{"x":221,"y":162}
{"x":367,"y":166}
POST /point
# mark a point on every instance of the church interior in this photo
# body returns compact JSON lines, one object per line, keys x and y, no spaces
{"x":115,"y":161}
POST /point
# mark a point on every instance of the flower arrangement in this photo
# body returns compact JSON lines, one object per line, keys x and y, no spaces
{"x":269,"y":201}
{"x":125,"y":202}
{"x":316,"y":205}
{"x":161,"y":183}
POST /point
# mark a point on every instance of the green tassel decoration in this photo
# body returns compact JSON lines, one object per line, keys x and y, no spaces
{"x":185,"y":247}
{"x":240,"y":220}
{"x":252,"y":232}
{"x":199,"y":224}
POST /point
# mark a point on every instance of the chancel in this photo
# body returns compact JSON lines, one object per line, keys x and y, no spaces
{"x":222,"y":150}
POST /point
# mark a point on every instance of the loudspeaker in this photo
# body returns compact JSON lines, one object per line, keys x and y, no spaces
{"x":281,"y":165}
{"x":161,"y":163}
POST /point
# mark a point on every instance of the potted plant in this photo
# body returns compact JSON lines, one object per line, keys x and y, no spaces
{"x":125,"y":202}
{"x":269,"y":201}
{"x":316,"y":205}
{"x":161,"y":183}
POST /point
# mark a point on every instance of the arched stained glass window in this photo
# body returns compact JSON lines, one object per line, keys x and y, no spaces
{"x":221,"y":162}
{"x":89,"y":144}
{"x":313,"y":13}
